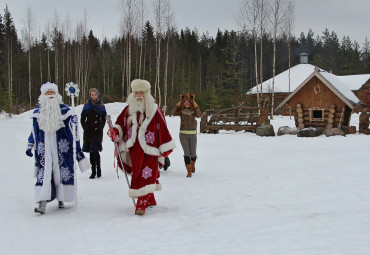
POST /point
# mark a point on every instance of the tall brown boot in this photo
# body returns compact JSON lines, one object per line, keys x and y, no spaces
{"x":188,"y":168}
{"x":192,"y":166}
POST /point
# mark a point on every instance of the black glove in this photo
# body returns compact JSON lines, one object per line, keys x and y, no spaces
{"x":167,"y":163}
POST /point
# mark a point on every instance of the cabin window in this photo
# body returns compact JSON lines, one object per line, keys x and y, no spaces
{"x":317,"y":114}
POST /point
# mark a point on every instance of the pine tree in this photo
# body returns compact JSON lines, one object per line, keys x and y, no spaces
{"x":214,"y":101}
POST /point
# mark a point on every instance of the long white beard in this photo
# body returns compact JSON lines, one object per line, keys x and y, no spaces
{"x":135,"y":105}
{"x":50,"y":118}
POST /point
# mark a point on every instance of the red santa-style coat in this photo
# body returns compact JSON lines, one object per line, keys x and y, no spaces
{"x":143,"y":147}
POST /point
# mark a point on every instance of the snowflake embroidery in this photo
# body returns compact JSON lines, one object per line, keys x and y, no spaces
{"x":129,"y":133}
{"x":144,"y":202}
{"x":63,"y":145}
{"x":147,"y":172}
{"x":42,"y":160}
{"x":41,"y":148}
{"x":149,"y":137}
{"x":65,"y":174}
{"x":40,"y":176}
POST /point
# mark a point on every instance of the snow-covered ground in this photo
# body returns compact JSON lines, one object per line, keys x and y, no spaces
{"x":253,"y":195}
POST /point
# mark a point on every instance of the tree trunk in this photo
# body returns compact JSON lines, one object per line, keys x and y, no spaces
{"x":158,"y":65}
{"x":165,"y":75}
{"x":29,"y":78}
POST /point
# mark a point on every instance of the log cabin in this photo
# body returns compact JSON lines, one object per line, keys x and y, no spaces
{"x":321,"y":100}
{"x":289,"y":80}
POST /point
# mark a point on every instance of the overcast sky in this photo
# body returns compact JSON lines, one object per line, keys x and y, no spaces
{"x":341,"y":16}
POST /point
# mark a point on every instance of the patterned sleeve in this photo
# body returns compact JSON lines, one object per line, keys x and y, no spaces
{"x":31,"y":139}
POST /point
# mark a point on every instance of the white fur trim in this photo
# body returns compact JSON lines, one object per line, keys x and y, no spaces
{"x":84,"y":164}
{"x":125,"y":155}
{"x":161,"y":160}
{"x":49,"y":86}
{"x":120,"y":131}
{"x":140,"y":85}
{"x":67,"y":114}
{"x":158,"y":187}
{"x":143,"y":191}
{"x":167,"y":146}
{"x":123,"y":146}
{"x":35,"y":171}
{"x":150,"y":150}
{"x":141,"y":136}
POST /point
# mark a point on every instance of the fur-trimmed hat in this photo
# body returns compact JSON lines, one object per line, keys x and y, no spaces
{"x":49,"y":86}
{"x":187,"y":96}
{"x":140,"y":85}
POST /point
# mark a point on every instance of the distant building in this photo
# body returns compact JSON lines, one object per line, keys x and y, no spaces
{"x":321,"y":100}
{"x":286,"y":82}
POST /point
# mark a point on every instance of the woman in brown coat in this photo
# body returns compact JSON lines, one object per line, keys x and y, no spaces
{"x":93,"y":121}
{"x":188,"y":110}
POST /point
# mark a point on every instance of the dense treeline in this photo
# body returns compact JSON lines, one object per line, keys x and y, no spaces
{"x":214,"y":68}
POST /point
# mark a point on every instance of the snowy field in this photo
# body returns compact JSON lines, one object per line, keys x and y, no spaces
{"x":250,"y":195}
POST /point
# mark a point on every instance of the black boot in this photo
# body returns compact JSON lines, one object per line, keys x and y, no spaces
{"x":97,"y":161}
{"x":93,"y":165}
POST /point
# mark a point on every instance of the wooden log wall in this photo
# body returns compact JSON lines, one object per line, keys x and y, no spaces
{"x":333,"y":117}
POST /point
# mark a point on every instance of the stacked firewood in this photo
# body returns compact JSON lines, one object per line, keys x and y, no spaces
{"x":331,"y":116}
{"x":300,"y":116}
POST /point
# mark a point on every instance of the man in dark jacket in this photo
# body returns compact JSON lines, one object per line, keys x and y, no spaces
{"x":93,"y":121}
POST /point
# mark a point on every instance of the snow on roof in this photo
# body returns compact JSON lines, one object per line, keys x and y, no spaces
{"x":354,"y":82}
{"x":333,"y":83}
{"x":298,"y":74}
{"x":341,"y":87}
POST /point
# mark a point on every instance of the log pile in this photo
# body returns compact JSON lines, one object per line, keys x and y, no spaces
{"x":331,"y":116}
{"x":300,"y":116}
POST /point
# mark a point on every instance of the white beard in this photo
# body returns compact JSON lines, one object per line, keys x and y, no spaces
{"x":144,"y":105}
{"x":50,"y":118}
{"x":135,"y":105}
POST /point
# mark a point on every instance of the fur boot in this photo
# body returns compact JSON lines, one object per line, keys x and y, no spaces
{"x":189,"y":169}
{"x":141,"y":205}
{"x":151,"y":199}
{"x":42,"y":207}
{"x":192,"y":166}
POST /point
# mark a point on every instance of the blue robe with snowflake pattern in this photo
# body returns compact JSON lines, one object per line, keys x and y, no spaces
{"x":58,"y":148}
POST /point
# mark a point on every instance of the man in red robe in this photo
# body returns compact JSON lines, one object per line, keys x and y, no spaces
{"x":144,"y":143}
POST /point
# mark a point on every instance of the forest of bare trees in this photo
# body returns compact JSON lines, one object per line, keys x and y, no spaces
{"x":219,"y":70}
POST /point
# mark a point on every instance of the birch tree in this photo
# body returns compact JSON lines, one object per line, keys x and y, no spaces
{"x":169,"y":27}
{"x":249,"y":13}
{"x":28,"y":34}
{"x":264,"y":13}
{"x":141,"y":15}
{"x":10,"y":40}
{"x":130,"y":17}
{"x":288,"y":26}
{"x":48,"y":42}
{"x":279,"y":10}
{"x":66,"y":54}
{"x":160,"y":7}
{"x":55,"y":35}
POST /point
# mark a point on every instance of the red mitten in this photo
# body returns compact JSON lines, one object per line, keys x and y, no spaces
{"x":115,"y":134}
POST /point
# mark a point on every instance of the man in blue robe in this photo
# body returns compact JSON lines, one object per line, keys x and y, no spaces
{"x":51,"y":139}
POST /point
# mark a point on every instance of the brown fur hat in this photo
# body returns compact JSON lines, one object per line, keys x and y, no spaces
{"x":187,"y":97}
